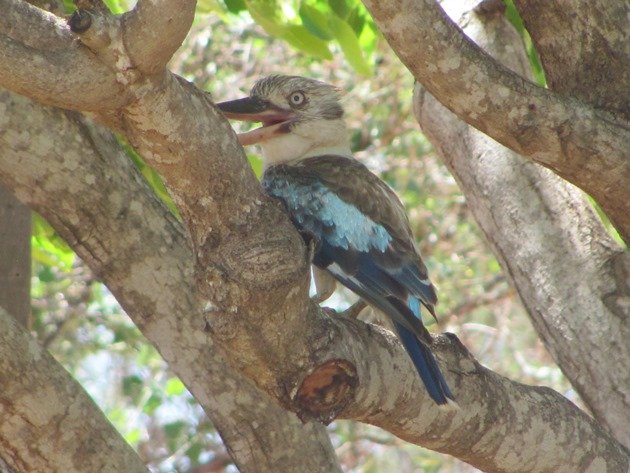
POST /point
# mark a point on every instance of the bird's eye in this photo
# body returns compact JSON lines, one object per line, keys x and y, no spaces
{"x":297,"y":98}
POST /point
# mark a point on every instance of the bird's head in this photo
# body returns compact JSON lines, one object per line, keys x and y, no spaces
{"x":300,"y":118}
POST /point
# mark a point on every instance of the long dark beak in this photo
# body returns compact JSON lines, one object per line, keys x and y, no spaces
{"x":252,"y":109}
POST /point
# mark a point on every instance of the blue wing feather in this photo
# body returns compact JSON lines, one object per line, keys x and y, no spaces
{"x":363,"y":256}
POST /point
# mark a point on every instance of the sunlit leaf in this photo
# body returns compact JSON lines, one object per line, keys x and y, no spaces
{"x":154,"y":401}
{"x":315,"y":21}
{"x":146,"y":355}
{"x":514,"y":17}
{"x":349,"y":45}
{"x":340,"y":7}
{"x":151,"y":176}
{"x":174,"y":387}
{"x":48,"y":247}
{"x":116,"y":6}
{"x":256,"y":163}
{"x":266,"y":15}
{"x":235,"y":6}
{"x":356,"y":20}
{"x":300,"y":38}
{"x":133,"y":436}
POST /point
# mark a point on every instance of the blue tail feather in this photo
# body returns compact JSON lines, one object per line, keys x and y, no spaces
{"x":426,"y":365}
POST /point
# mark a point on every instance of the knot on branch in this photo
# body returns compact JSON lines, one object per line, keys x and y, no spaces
{"x":102,"y":33}
{"x":80,"y":21}
{"x":327,"y":390}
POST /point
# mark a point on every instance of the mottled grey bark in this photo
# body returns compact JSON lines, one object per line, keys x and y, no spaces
{"x":47,"y":421}
{"x":15,"y":257}
{"x":571,"y":276}
{"x":584,"y":47}
{"x":76,"y":175}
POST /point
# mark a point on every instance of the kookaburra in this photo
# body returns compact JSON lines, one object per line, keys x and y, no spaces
{"x":357,"y":224}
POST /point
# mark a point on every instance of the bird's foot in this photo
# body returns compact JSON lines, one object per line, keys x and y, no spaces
{"x":324,"y":285}
{"x":355,"y":309}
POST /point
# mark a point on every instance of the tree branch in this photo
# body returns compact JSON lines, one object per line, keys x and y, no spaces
{"x":57,"y":70}
{"x":251,"y":276}
{"x":154,"y":30}
{"x":539,"y":225}
{"x":584,"y":47}
{"x":76,"y":176}
{"x":47,"y":421}
{"x":15,"y":257}
{"x":586,"y":146}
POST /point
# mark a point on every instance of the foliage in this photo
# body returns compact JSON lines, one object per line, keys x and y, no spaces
{"x":513,"y":15}
{"x":311,"y":27}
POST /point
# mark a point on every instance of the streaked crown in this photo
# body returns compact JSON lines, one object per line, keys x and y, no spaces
{"x":308,"y":98}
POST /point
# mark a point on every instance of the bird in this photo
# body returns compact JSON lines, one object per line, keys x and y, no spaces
{"x":354,"y":222}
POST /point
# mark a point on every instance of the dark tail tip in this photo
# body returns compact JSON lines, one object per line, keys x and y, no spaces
{"x":427,"y":367}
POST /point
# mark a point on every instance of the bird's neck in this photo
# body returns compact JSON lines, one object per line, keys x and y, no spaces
{"x":326,"y":137}
{"x":294,"y":156}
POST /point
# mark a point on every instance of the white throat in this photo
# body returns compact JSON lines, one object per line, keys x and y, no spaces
{"x":306,"y":140}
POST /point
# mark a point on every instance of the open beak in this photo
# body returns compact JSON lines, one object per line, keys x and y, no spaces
{"x":275,"y":121}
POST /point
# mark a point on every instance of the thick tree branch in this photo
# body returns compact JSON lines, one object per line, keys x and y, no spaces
{"x":78,"y":178}
{"x":586,"y":146}
{"x":59,"y":68}
{"x":47,"y":421}
{"x":584,"y":48}
{"x":539,"y":225}
{"x":15,"y":257}
{"x":154,"y":30}
{"x":251,"y":275}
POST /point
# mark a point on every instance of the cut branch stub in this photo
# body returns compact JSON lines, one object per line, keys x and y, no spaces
{"x":327,"y":390}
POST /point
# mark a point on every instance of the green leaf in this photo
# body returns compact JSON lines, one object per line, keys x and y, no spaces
{"x":194,"y":451}
{"x":174,"y":432}
{"x":235,"y":6}
{"x":205,"y":7}
{"x":256,"y":163}
{"x":69,"y":6}
{"x":48,"y":247}
{"x":117,"y":7}
{"x":150,"y":175}
{"x":154,"y":401}
{"x":349,"y":45}
{"x":133,"y":436}
{"x":316,"y":22}
{"x":45,"y":274}
{"x":266,"y":15}
{"x":146,"y":355}
{"x":300,"y":38}
{"x":174,"y":387}
{"x":132,"y":386}
{"x":340,"y":7}
{"x":356,"y":20}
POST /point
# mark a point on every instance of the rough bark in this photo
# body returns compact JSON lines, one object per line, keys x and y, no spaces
{"x":251,"y":279}
{"x":47,"y":421}
{"x":15,"y":257}
{"x":76,"y":175}
{"x":538,"y":224}
{"x":587,"y":146}
{"x":584,"y":48}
